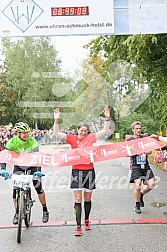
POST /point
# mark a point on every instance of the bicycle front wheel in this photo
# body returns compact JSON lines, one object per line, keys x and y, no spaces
{"x":20,"y":218}
{"x":27,"y":207}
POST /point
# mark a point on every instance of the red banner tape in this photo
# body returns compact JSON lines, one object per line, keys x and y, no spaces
{"x":81,"y":155}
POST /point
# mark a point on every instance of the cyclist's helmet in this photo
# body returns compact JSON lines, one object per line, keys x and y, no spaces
{"x":21,"y":127}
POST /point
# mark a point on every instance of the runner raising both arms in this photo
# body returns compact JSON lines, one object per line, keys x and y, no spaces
{"x":83,"y":175}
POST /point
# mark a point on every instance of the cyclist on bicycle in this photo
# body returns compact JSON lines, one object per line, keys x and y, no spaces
{"x":23,"y":143}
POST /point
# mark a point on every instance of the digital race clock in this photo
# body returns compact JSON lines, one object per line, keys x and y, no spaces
{"x":70,"y":11}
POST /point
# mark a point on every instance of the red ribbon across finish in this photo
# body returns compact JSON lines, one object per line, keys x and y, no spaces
{"x":81,"y":155}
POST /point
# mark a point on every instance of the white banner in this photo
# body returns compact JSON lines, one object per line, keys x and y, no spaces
{"x":56,"y":18}
{"x":148,"y":20}
{"x":145,"y":3}
{"x":140,"y":16}
{"x":22,"y":18}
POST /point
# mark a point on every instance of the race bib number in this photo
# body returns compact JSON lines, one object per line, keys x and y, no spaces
{"x":22,"y":181}
{"x":139,"y":161}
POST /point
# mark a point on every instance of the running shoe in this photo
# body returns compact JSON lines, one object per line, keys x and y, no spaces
{"x":45,"y":217}
{"x":87,"y":225}
{"x":137,"y":209}
{"x":15,"y":219}
{"x":78,"y":231}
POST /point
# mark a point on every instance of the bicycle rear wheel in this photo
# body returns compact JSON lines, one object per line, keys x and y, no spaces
{"x":27,"y":207}
{"x":20,"y":218}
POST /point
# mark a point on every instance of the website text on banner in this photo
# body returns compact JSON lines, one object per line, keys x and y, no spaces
{"x":82,"y":155}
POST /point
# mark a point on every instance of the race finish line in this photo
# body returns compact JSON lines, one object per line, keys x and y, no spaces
{"x":29,"y":18}
{"x":81,"y":155}
{"x":93,"y":223}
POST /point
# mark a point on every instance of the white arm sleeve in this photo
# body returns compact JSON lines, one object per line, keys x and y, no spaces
{"x":163,"y":139}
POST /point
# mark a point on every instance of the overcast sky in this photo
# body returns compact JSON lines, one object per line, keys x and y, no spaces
{"x":70,"y":50}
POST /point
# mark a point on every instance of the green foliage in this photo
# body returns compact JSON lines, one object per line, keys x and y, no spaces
{"x":148,"y":54}
{"x":126,"y":63}
{"x":149,"y":126}
{"x":30,"y":81}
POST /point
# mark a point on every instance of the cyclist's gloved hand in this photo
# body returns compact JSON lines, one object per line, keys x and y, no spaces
{"x":38,"y":174}
{"x":4,"y":174}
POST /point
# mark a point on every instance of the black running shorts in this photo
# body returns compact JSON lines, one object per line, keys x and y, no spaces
{"x":143,"y":174}
{"x":83,"y":179}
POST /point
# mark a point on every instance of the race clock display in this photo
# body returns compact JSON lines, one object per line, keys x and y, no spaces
{"x":70,"y":11}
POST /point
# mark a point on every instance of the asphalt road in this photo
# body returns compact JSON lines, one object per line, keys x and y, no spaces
{"x":115,"y":225}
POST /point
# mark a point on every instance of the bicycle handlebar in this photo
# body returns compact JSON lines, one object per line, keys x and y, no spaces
{"x":34,"y":176}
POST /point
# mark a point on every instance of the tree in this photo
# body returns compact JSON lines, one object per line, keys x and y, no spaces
{"x":31,"y":68}
{"x":148,"y":54}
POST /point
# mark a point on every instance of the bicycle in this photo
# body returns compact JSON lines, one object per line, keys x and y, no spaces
{"x":24,"y":202}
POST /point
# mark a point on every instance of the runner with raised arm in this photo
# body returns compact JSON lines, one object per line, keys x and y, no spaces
{"x":140,"y":170}
{"x":83,"y":175}
{"x":23,"y":143}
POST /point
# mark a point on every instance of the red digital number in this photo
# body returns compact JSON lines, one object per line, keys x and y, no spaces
{"x":79,"y":11}
{"x":54,"y":11}
{"x":67,"y":11}
{"x":71,"y":11}
{"x":84,"y":11}
{"x":60,"y":11}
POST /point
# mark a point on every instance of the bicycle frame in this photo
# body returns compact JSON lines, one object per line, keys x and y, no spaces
{"x":22,"y":184}
{"x":23,"y":200}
